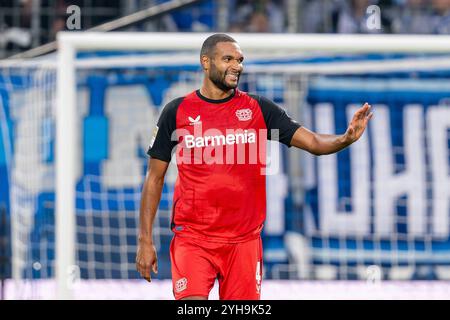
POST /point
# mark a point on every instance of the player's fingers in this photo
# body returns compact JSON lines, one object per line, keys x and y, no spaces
{"x":147,"y":275}
{"x":363,"y":108}
{"x":155,"y":267}
{"x":365,"y":112}
{"x":361,"y":112}
{"x":144,"y":270}
{"x":370,"y":115}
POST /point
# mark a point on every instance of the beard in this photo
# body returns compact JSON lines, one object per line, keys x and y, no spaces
{"x":218,"y":78}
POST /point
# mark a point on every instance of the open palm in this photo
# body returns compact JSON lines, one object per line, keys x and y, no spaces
{"x":359,"y":123}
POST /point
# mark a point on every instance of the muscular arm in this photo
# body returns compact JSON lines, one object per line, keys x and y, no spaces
{"x":318,"y":144}
{"x":321,"y":144}
{"x":151,"y":195}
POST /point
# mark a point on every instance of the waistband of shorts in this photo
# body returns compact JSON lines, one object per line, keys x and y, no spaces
{"x":189,"y":233}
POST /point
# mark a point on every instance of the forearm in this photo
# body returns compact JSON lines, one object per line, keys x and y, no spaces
{"x":320,"y":144}
{"x":151,"y":195}
{"x":323,"y":144}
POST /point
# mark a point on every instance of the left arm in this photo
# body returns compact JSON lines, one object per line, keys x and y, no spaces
{"x":321,"y":144}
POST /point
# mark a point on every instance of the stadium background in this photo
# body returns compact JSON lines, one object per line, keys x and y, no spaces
{"x":379,"y":209}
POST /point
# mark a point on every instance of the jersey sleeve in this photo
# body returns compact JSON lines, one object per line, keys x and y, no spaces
{"x":276,"y":118}
{"x":162,"y":143}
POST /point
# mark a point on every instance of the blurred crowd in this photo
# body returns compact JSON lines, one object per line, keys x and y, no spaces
{"x":343,"y":16}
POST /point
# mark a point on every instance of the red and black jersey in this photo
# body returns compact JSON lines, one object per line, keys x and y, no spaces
{"x":220,"y":147}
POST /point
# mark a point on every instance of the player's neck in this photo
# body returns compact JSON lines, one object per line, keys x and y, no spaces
{"x":214,"y":93}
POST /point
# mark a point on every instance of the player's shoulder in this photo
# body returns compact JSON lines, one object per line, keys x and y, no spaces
{"x":170,"y":108}
{"x":174,"y":103}
{"x":248,"y":96}
{"x":262,"y":100}
{"x":252,"y":95}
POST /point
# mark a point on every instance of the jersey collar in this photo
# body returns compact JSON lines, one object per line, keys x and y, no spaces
{"x":216,"y":101}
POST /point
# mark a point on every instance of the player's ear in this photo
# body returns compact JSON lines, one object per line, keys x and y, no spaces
{"x":205,"y":61}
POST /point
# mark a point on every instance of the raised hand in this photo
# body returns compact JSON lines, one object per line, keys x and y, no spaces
{"x":359,"y":123}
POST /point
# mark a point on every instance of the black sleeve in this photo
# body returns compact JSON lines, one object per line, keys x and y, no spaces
{"x":161,"y":144}
{"x":277,"y":118}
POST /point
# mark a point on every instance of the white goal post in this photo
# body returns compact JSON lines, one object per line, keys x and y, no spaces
{"x":69,"y":43}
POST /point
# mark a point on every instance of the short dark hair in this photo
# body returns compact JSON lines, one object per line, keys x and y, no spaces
{"x":210,"y":43}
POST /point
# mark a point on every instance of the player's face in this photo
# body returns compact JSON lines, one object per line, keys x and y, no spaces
{"x":226,"y":65}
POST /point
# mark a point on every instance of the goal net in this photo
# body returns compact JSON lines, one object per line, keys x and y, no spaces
{"x":377,"y":210}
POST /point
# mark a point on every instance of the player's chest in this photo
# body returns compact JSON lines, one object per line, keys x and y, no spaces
{"x":220,"y":117}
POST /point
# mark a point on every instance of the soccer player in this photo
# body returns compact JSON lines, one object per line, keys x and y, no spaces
{"x":219,"y":134}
